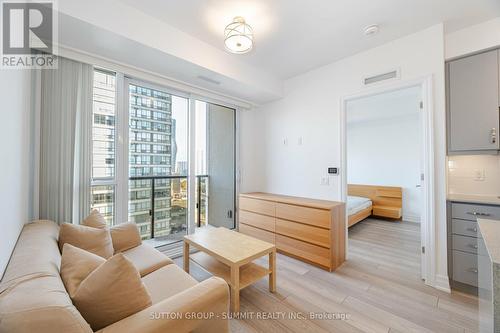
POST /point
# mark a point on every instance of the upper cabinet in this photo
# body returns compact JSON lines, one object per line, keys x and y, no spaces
{"x":473,"y":96}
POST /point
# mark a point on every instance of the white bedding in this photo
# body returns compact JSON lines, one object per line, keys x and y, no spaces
{"x":357,"y":204}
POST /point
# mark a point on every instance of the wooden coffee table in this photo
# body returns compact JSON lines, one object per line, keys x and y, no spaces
{"x":229,"y":254}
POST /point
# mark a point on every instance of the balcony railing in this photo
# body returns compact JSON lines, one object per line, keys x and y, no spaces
{"x":167,"y":220}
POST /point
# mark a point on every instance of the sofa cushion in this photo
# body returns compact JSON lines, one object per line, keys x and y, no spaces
{"x":113,"y":291}
{"x":166,"y":282}
{"x":39,"y":303}
{"x":147,"y":259}
{"x":95,"y":220}
{"x":97,"y":241}
{"x":125,"y":236}
{"x":32,"y":294}
{"x":76,"y":265}
{"x":38,"y":238}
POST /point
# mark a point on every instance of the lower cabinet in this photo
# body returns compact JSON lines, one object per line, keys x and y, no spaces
{"x":466,"y":267}
{"x":466,"y":248}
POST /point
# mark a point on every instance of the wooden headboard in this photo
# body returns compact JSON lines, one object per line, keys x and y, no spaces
{"x":387,"y":200}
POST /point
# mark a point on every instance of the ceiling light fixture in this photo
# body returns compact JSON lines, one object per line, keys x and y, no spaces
{"x":371,"y":30}
{"x":238,"y":36}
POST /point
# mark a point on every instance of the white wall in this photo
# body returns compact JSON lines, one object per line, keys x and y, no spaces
{"x":311,"y":110}
{"x":15,"y":88}
{"x":473,"y":39}
{"x":387,"y":152}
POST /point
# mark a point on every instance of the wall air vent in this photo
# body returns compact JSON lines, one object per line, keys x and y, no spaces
{"x":204,"y":78}
{"x":381,"y":77}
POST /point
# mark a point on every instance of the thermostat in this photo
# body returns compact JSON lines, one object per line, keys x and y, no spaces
{"x":333,"y":171}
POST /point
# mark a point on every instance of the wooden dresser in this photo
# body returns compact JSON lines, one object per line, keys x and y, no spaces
{"x":307,"y":229}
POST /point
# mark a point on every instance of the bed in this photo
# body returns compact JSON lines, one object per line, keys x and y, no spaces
{"x":366,"y":200}
{"x":358,"y":209}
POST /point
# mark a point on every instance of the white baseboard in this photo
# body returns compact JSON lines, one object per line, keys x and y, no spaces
{"x":411,"y":218}
{"x":442,"y":283}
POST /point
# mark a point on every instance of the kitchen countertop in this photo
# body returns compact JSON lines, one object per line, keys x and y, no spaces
{"x":489,"y":292}
{"x":490,"y":230}
{"x":471,"y":198}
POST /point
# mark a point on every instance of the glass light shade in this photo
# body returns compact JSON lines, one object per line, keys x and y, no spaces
{"x":238,"y":36}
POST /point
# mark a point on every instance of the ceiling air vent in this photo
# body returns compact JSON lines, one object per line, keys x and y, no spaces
{"x":205,"y":78}
{"x":381,"y":77}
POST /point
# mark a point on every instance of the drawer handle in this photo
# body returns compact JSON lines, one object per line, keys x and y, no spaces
{"x":474,"y":246}
{"x":478,"y":214}
{"x":472,"y":270}
{"x":472,"y":229}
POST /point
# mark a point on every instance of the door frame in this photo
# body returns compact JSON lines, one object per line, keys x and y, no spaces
{"x":428,"y":221}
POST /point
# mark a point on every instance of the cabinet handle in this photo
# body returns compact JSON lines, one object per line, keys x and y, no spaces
{"x":493,"y":134}
{"x":474,"y":246}
{"x":478,"y":214}
{"x":473,"y":270}
{"x":472,"y":229}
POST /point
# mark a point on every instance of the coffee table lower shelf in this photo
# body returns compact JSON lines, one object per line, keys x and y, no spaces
{"x":249,"y":273}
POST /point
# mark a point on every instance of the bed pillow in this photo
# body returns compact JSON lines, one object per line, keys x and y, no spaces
{"x":95,"y":220}
{"x":76,"y":265}
{"x":97,"y":241}
{"x":113,"y":291}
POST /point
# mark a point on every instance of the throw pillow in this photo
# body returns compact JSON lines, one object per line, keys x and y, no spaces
{"x":97,"y":241}
{"x":95,"y":220}
{"x":125,"y":236}
{"x":113,"y":291}
{"x":76,"y":265}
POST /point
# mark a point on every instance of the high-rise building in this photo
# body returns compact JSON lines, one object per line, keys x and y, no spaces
{"x":152,"y":150}
{"x":174,"y":148}
{"x":150,"y":154}
{"x":103,"y":142}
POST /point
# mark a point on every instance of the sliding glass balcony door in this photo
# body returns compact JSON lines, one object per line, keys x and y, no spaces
{"x":160,"y":158}
{"x":215,"y":165}
{"x":157,"y":165}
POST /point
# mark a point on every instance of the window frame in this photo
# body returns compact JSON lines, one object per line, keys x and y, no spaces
{"x":120,"y":181}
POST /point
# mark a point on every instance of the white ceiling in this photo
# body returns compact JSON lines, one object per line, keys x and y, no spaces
{"x":292,"y":36}
{"x":387,"y":105}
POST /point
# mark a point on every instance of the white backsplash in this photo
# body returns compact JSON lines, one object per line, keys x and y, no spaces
{"x":474,"y":175}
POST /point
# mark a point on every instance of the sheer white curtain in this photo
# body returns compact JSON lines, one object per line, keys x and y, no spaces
{"x":65,"y":141}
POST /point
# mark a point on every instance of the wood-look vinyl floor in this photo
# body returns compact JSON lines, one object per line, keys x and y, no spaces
{"x":379,"y":290}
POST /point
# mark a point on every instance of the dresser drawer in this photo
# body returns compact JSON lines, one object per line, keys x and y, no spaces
{"x":258,"y":206}
{"x":304,"y":232}
{"x":257,"y":220}
{"x":313,"y":216}
{"x":465,"y":228}
{"x":472,"y":212}
{"x":266,"y":236}
{"x":469,"y":244}
{"x":309,"y":252}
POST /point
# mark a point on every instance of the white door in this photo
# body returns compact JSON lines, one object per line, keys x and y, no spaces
{"x":221,"y":166}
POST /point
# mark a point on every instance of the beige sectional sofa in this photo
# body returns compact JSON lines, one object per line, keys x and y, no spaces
{"x":33,"y":297}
